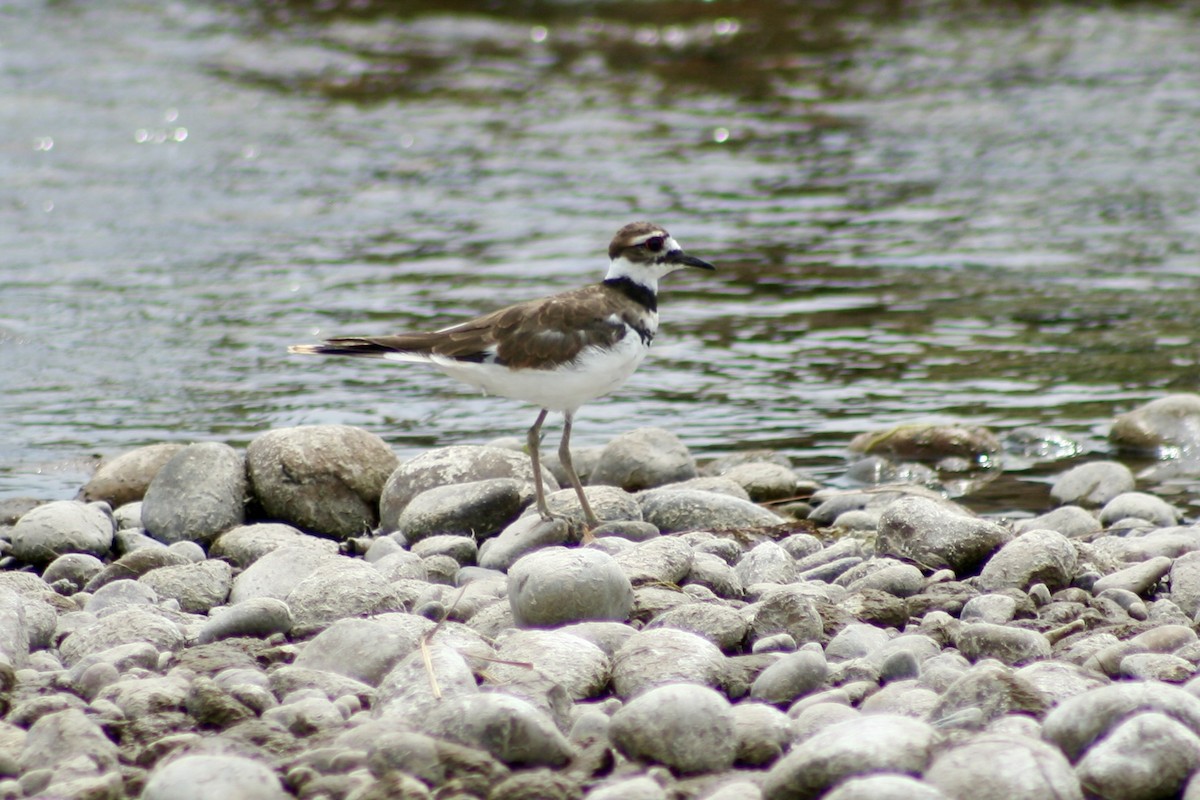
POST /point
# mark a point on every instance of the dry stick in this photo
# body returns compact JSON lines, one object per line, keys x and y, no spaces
{"x":428,"y":637}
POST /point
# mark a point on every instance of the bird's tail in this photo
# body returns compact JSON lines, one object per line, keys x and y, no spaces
{"x":345,"y":346}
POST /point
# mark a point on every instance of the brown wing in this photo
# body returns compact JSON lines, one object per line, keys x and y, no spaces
{"x":531,"y":335}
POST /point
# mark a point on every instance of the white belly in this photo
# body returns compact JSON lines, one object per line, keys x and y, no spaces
{"x":595,"y":373}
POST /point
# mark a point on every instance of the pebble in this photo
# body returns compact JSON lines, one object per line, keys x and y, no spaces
{"x":1070,"y":521}
{"x":258,"y":617}
{"x":673,"y":510}
{"x":200,"y":777}
{"x":1092,"y":484}
{"x":48,"y":531}
{"x":792,"y":676}
{"x":556,"y":585}
{"x":478,"y":508}
{"x":659,"y":656}
{"x":336,"y":589}
{"x":199,"y":493}
{"x":1165,"y":426}
{"x":642,"y":459}
{"x":1001,"y":767}
{"x":246,"y":544}
{"x":196,"y":587}
{"x":936,"y":535}
{"x":125,"y":478}
{"x":685,"y":727}
{"x":321,"y":478}
{"x":1140,"y":505}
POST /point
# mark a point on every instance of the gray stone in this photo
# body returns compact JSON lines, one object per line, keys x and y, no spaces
{"x":478,"y":508}
{"x":666,"y":559}
{"x":197,"y":587}
{"x":763,"y":733}
{"x":258,"y":617}
{"x":134,"y":565}
{"x":120,"y":594}
{"x":987,"y":691}
{"x":462,"y":549}
{"x":56,"y":739}
{"x":435,"y":762}
{"x":994,"y":608}
{"x":1092,"y":484}
{"x":661,"y":656}
{"x":135,"y":624}
{"x":764,"y":481}
{"x":640,"y":788}
{"x":875,"y":743}
{"x":579,"y":666}
{"x":885,"y":575}
{"x":404,"y":565}
{"x":321,"y":478}
{"x":14,"y":632}
{"x":125,"y":478}
{"x":609,"y":504}
{"x":785,"y":609}
{"x":1039,"y":556}
{"x":854,"y":641}
{"x":246,"y":544}
{"x":336,"y":589}
{"x":526,"y":535}
{"x":793,"y":675}
{"x":685,"y":727}
{"x":1168,"y":425}
{"x":1155,"y":667}
{"x":923,"y":442}
{"x":642,"y":459}
{"x":202,"y":777}
{"x":508,"y":728}
{"x":674,"y":510}
{"x":198,"y":494}
{"x":886,"y":787}
{"x":720,"y":624}
{"x":1185,"y":583}
{"x":767,"y":562}
{"x":904,"y":697}
{"x":407,"y":692}
{"x":713,"y":573}
{"x":1147,"y":756}
{"x":937,"y":536}
{"x":1076,"y":723}
{"x":1138,"y":578}
{"x":446,"y":466}
{"x":277,"y":573}
{"x":1002,"y":767}
{"x":1142,"y":506}
{"x":1008,"y":645}
{"x":1070,"y":521}
{"x":557,"y":585}
{"x":65,"y":526}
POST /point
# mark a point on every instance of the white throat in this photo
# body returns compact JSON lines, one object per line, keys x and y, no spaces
{"x":641,"y":274}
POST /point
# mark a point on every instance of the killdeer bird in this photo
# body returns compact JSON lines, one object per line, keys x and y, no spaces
{"x":557,"y":352}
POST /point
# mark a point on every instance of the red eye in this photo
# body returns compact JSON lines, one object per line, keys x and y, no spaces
{"x":654,"y":244}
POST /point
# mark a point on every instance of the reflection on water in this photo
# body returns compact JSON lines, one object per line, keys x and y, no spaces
{"x":966,"y":212}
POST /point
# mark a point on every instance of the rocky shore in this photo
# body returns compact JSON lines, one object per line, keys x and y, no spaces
{"x":312,"y":618}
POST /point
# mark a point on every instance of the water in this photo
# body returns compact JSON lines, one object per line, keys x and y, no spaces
{"x":966,"y":212}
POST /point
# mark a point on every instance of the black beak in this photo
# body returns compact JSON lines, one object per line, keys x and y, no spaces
{"x":683,"y":259}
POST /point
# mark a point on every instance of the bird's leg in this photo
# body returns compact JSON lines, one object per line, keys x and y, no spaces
{"x":535,"y":435}
{"x":564,"y":456}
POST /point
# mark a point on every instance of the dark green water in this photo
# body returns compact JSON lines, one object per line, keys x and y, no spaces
{"x":950,"y":212}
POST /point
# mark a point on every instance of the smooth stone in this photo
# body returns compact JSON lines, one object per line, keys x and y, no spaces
{"x":199,"y":493}
{"x":246,"y":544}
{"x":135,"y":564}
{"x":672,"y":510}
{"x":1092,"y":484}
{"x":1039,"y":556}
{"x":855,"y":640}
{"x":1137,"y":578}
{"x":277,"y":573}
{"x":793,"y":675}
{"x":994,"y":608}
{"x":1008,"y":645}
{"x":887,"y":787}
{"x":1185,"y":583}
{"x":477,"y":508}
{"x":810,"y":718}
{"x":723,"y":626}
{"x":785,"y":609}
{"x":557,"y":585}
{"x":125,"y":478}
{"x":526,"y":535}
{"x":433,"y":761}
{"x":713,"y":573}
{"x":839,"y":550}
{"x":936,"y":536}
{"x":445,"y":466}
{"x":201,"y":777}
{"x":339,"y":588}
{"x":661,"y":656}
{"x":1170,"y":423}
{"x":685,"y":727}
{"x":640,"y":788}
{"x":405,"y":565}
{"x":72,"y":570}
{"x":1076,"y":723}
{"x":1142,"y":506}
{"x":763,"y":733}
{"x":135,"y":624}
{"x":63,"y":526}
{"x":904,"y":697}
{"x":462,"y":549}
{"x":197,"y":587}
{"x":257,"y":617}
{"x":987,"y":691}
{"x":666,"y":559}
{"x":575,"y":663}
{"x":885,"y":575}
{"x":764,"y":481}
{"x":510,"y":729}
{"x":1070,"y":521}
{"x":767,"y":562}
{"x":919,"y":442}
{"x":1130,"y":602}
{"x":57,"y":738}
{"x":869,"y":744}
{"x":405,"y":693}
{"x":610,"y":504}
{"x":1001,"y":767}
{"x":642,"y":459}
{"x":1156,"y":667}
{"x":322,"y":478}
{"x":14,"y":633}
{"x":1148,"y":755}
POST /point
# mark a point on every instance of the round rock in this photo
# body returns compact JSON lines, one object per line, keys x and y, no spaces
{"x":659,"y":656}
{"x":685,"y":727}
{"x":197,"y":587}
{"x":339,"y":588}
{"x":65,"y":526}
{"x":1170,"y":423}
{"x":202,"y":777}
{"x":322,"y":478}
{"x":1147,"y":756}
{"x":125,"y":478}
{"x":1092,"y":484}
{"x":556,"y":585}
{"x":258,"y":617}
{"x":937,"y":536}
{"x":480,"y":508}
{"x":1039,"y":556}
{"x":793,"y":675}
{"x":672,"y":510}
{"x":199,"y":493}
{"x":999,"y":767}
{"x":642,"y":459}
